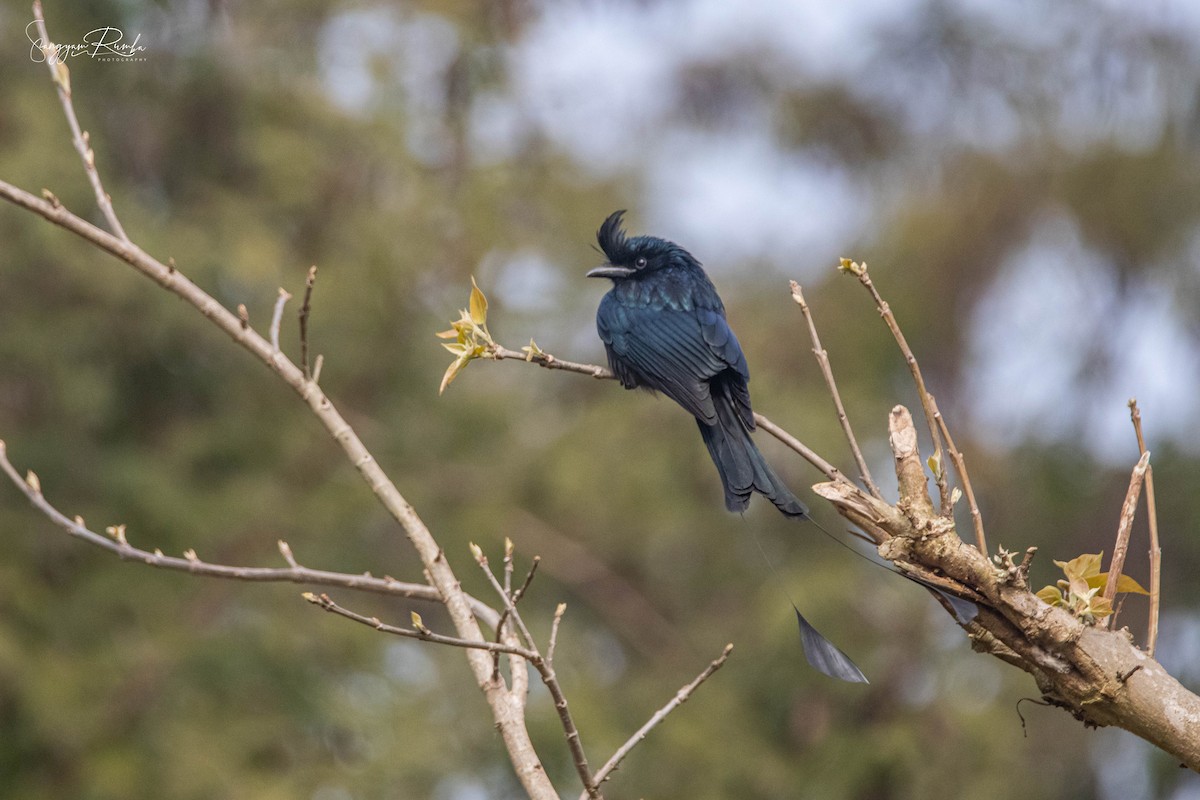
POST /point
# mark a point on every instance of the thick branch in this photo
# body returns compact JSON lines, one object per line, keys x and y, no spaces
{"x":1095,"y":674}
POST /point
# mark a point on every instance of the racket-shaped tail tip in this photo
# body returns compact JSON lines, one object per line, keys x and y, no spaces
{"x":824,"y":656}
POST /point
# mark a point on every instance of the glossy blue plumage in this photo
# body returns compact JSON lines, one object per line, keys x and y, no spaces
{"x":664,"y":328}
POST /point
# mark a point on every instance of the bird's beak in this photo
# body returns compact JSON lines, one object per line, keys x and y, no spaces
{"x":610,"y":271}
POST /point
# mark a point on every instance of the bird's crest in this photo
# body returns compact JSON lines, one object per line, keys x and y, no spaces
{"x":612,"y":239}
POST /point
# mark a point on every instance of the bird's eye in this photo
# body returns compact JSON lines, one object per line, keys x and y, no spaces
{"x":640,"y":263}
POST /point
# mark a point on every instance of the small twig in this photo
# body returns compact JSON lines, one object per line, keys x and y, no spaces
{"x":548,"y":361}
{"x":885,"y":311}
{"x":277,"y":317}
{"x":519,"y":593}
{"x":546,"y":670}
{"x":304,"y":311}
{"x":1128,"y":509}
{"x":508,"y":566}
{"x":316,"y":371}
{"x":510,"y":610}
{"x":960,"y":466}
{"x":827,"y":372}
{"x":294,"y":573}
{"x":679,"y":699}
{"x":558,"y":615}
{"x":805,"y":452}
{"x":418,"y":631}
{"x":1155,"y":551}
{"x":62,"y":82}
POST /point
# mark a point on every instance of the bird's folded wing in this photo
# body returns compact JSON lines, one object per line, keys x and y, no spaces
{"x":675,"y":351}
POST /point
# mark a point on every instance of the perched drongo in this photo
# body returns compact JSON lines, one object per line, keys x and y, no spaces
{"x":664,"y":328}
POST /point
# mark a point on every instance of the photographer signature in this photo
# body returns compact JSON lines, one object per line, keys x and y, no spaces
{"x":106,"y":44}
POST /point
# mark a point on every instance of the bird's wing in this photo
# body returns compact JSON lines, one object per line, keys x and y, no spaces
{"x":719,"y":337}
{"x":675,"y":351}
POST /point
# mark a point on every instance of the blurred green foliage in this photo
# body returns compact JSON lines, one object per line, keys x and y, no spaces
{"x":224,"y":151}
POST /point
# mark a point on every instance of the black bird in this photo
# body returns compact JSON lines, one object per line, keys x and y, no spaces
{"x":664,"y":328}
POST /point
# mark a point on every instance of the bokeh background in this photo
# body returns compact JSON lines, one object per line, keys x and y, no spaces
{"x":1023,"y":178}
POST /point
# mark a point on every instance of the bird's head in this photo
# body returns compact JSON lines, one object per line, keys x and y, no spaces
{"x":637,"y":256}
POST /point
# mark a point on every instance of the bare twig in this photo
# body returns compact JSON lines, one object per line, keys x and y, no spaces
{"x":62,"y":83}
{"x":827,"y":372}
{"x":305,"y":307}
{"x":885,"y":311}
{"x":516,"y":596}
{"x":679,"y":699}
{"x":799,"y":447}
{"x":508,"y":565}
{"x":1135,"y":415}
{"x":551,"y":362}
{"x":294,"y":573}
{"x":558,"y":615}
{"x":520,"y":592}
{"x":277,"y":317}
{"x":545,"y":669}
{"x":960,"y":466}
{"x":1128,"y":509}
{"x":418,"y":631}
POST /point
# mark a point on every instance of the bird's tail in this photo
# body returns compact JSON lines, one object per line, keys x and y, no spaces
{"x":742,"y":467}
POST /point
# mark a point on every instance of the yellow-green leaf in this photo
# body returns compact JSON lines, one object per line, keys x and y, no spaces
{"x":1084,"y":566}
{"x":479,"y":304}
{"x":1124,"y":583}
{"x":1051,"y":595}
{"x":1099,"y":607}
{"x":452,"y":371}
{"x":450,"y":334}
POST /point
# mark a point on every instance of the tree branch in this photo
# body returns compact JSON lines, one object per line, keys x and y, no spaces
{"x":545,"y":668}
{"x":1125,"y":526}
{"x":506,"y":709}
{"x":679,"y":699}
{"x":305,"y":308}
{"x":294,"y":573}
{"x":82,"y":141}
{"x":827,"y":372}
{"x":418,"y":631}
{"x":1155,"y":551}
{"x":885,"y":311}
{"x":1093,"y":673}
{"x":548,"y":361}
